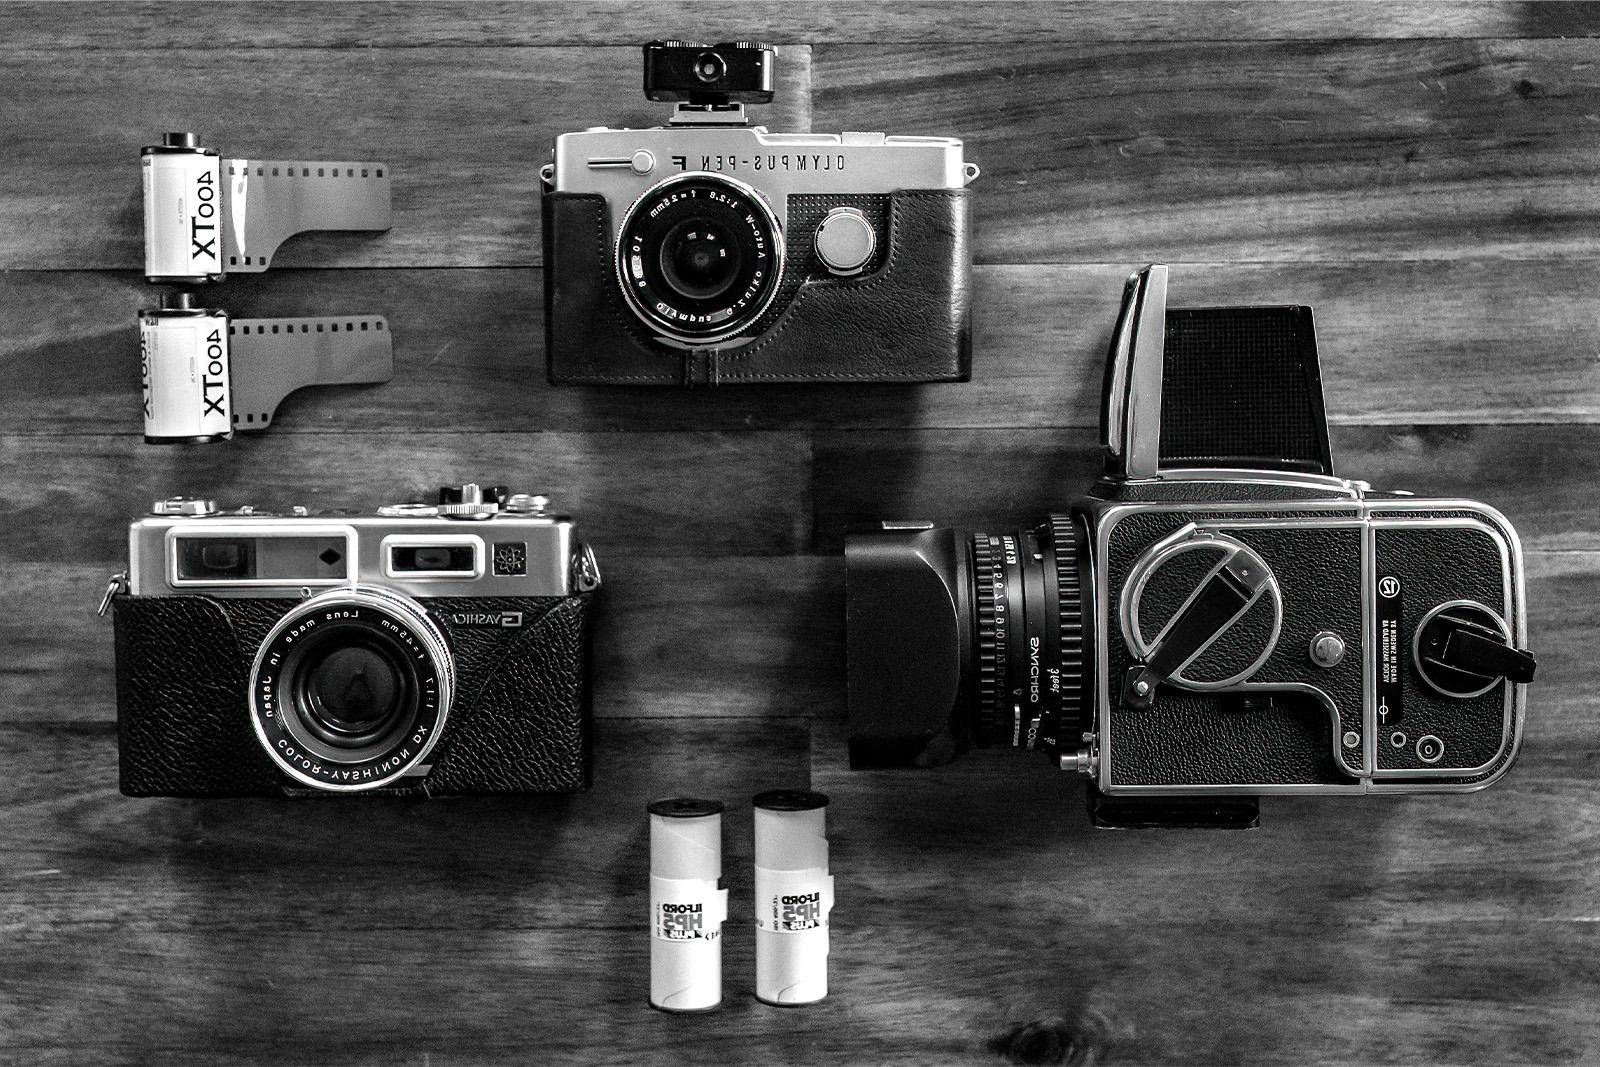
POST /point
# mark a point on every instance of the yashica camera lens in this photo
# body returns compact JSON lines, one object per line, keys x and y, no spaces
{"x":699,"y":257}
{"x":709,"y":67}
{"x":351,"y":688}
{"x":351,"y":695}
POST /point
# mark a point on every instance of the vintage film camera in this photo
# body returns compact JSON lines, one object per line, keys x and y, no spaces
{"x":422,"y":650}
{"x":1220,"y":618}
{"x":711,"y":251}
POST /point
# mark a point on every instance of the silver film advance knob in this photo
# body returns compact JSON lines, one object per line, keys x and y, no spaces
{"x":845,"y":241}
{"x":183,"y":505}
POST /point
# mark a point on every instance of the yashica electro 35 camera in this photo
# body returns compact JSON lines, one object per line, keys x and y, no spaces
{"x":713,"y":251}
{"x":1220,"y":618}
{"x":427,"y":650}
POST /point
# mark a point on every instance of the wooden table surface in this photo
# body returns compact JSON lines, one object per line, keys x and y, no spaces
{"x":1424,"y":175}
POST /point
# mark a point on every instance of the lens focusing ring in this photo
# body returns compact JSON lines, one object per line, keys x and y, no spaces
{"x":989,"y":588}
{"x":1069,"y":608}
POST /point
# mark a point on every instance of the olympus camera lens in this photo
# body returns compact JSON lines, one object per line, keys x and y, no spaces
{"x":351,"y":688}
{"x":957,"y":639}
{"x":699,"y":257}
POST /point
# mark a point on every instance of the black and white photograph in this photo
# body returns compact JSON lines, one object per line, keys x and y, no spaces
{"x":820,"y":532}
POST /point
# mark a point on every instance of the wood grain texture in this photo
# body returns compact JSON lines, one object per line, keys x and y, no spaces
{"x":1326,"y":151}
{"x":1422,"y":174}
{"x":1323,"y":151}
{"x":235,"y":25}
{"x":1401,"y":343}
{"x":464,"y":133}
{"x":491,"y":939}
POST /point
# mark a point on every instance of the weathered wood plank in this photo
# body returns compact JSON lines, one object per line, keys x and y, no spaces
{"x":464,"y":132}
{"x":1266,"y":151}
{"x":1402,"y":343}
{"x":972,"y":900}
{"x":691,"y":636}
{"x":612,"y":483}
{"x":1542,"y":477}
{"x":697,"y":638}
{"x":1328,"y":151}
{"x":375,"y":25}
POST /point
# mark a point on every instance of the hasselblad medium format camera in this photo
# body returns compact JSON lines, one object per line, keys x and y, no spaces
{"x":427,"y":650}
{"x":712,"y":251}
{"x":1220,"y":618}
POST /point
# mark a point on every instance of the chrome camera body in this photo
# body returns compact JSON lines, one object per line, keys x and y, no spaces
{"x":421,"y":649}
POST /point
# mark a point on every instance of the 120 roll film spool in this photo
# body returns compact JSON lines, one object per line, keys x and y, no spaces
{"x":793,"y":898}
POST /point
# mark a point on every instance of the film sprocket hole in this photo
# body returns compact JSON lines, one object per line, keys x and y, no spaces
{"x":1220,"y":618}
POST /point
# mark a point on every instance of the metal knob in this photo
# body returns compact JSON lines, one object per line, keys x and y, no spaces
{"x":1327,"y":649}
{"x":527,"y":504}
{"x":184,"y":505}
{"x":470,"y":501}
{"x":845,"y":241}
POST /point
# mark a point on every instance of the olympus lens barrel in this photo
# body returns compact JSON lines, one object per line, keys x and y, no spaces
{"x":699,"y":257}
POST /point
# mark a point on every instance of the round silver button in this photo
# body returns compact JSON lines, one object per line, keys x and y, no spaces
{"x":1327,"y":649}
{"x":643,"y":162}
{"x":1430,"y":749}
{"x":845,"y":241}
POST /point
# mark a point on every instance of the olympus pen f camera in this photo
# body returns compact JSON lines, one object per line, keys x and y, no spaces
{"x":712,"y":251}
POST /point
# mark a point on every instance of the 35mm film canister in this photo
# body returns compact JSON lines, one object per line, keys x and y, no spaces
{"x":687,"y":904}
{"x":794,"y":894}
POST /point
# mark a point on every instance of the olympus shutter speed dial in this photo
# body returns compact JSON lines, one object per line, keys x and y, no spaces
{"x":845,"y":241}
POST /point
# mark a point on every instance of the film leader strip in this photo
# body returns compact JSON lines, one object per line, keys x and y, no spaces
{"x":206,"y":217}
{"x":207,"y":376}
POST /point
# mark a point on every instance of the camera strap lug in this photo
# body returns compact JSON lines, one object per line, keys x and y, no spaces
{"x":117,"y":586}
{"x":585,"y":570}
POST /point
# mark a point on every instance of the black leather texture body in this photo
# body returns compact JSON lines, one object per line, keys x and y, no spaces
{"x":907,"y":319}
{"x":1209,"y":738}
{"x":1191,"y":737}
{"x":520,"y":721}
